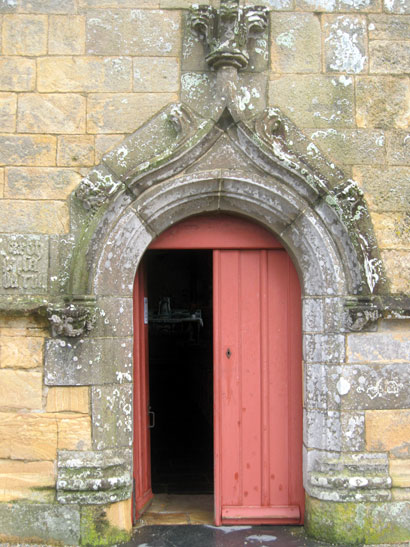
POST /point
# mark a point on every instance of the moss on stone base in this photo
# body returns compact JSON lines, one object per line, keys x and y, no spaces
{"x":96,"y":530}
{"x":357,"y":523}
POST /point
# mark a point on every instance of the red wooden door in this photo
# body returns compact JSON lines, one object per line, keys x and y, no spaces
{"x":257,"y":372}
{"x":258,"y":393}
{"x":141,"y":447}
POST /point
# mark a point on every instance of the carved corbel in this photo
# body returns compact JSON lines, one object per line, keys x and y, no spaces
{"x":360,"y":314}
{"x":226,"y":31}
{"x":73,"y":319}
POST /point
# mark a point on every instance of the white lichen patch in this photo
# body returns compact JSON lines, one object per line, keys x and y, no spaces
{"x":345,"y":45}
{"x":343,"y":386}
{"x":286,"y":39}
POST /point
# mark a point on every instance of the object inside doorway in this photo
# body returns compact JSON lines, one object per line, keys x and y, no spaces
{"x":181,"y":371}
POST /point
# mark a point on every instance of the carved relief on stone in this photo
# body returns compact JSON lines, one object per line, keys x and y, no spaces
{"x":95,"y":188}
{"x":360,"y":314}
{"x":226,"y":31}
{"x":181,"y":119}
{"x":71,"y":320}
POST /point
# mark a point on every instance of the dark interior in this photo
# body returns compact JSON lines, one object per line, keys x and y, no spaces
{"x":181,"y":370}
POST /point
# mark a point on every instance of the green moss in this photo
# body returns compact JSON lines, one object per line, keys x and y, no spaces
{"x":357,"y":523}
{"x":96,"y":530}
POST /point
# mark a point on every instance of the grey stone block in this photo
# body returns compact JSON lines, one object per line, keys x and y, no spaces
{"x":48,"y":522}
{"x":113,"y":317}
{"x":371,"y":386}
{"x":23,"y":264}
{"x":316,"y":392}
{"x":324,"y":348}
{"x":378,"y":347}
{"x":353,"y":431}
{"x":73,"y":362}
{"x":322,"y":430}
{"x":112,"y":416}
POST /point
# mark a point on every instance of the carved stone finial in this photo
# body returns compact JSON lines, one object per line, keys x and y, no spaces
{"x":226,"y":31}
{"x":71,"y":320}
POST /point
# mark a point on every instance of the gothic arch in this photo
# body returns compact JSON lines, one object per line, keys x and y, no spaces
{"x":176,"y":166}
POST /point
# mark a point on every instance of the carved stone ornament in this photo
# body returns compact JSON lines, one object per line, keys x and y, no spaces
{"x":180,"y":118}
{"x":71,"y":320}
{"x":360,"y":314}
{"x":96,"y":188}
{"x":226,"y":31}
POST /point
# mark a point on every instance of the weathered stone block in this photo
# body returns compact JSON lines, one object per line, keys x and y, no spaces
{"x":46,"y":217}
{"x":41,"y":521}
{"x":382,"y":102}
{"x":398,"y":147}
{"x":26,"y":480}
{"x":131,"y":238}
{"x":133,"y":32}
{"x":8,"y":6}
{"x":119,"y":515}
{"x":23,"y":264}
{"x":324,"y":348}
{"x":400,"y":473}
{"x":8,"y":107}
{"x":84,"y":74}
{"x":155,"y":74}
{"x":48,"y":6}
{"x":296,"y":43}
{"x":388,"y":27}
{"x":345,"y":43}
{"x":66,"y":35}
{"x":396,"y":6}
{"x":112,"y":416}
{"x":17,"y":74}
{"x":353,"y":431}
{"x":387,"y":429}
{"x":315,"y":386}
{"x":370,"y":386}
{"x":392,"y":230}
{"x":389,"y":57}
{"x":75,"y":150}
{"x":21,"y":389}
{"x":40,"y":182}
{"x":88,"y":361}
{"x":25,"y":34}
{"x":315,"y":101}
{"x":356,"y":146}
{"x":1,"y":182}
{"x":397,"y":264}
{"x":122,"y":113}
{"x":74,"y":432}
{"x":118,"y":4}
{"x":321,"y":429}
{"x":51,"y":113}
{"x":322,"y":314}
{"x":385,"y":188}
{"x":358,"y":523}
{"x":68,"y":399}
{"x":113,"y":317}
{"x":95,"y":522}
{"x":21,"y":352}
{"x":27,"y":149}
{"x":105,"y":143}
{"x":28,"y":436}
{"x":383,"y":347}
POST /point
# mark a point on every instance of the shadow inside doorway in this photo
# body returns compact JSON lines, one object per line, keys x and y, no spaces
{"x":181,"y":371}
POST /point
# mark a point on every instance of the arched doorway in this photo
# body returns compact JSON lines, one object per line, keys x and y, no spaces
{"x":257,"y":376}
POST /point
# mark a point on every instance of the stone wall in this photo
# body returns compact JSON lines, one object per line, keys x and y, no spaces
{"x":76,"y":77}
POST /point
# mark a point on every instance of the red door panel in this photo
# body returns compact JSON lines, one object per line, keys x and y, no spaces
{"x":257,"y":372}
{"x":257,"y":354}
{"x":141,"y":447}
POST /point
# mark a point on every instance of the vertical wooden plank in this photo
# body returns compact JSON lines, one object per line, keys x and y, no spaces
{"x":278,"y":376}
{"x":265,"y":378}
{"x":217,"y":387}
{"x":250,"y":376}
{"x":229,"y":359}
{"x":141,"y":447}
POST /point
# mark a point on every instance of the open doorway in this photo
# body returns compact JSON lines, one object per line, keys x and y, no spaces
{"x":179,"y":290}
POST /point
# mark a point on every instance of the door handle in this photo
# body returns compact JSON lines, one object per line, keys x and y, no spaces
{"x":151,"y":418}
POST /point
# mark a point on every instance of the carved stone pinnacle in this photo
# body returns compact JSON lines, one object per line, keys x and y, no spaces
{"x":226,"y":31}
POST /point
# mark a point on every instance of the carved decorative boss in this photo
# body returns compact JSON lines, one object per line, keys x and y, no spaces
{"x":226,"y":31}
{"x":72,"y":319}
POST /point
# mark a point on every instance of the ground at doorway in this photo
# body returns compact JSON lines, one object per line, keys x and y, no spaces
{"x":206,"y":535}
{"x":179,"y":509}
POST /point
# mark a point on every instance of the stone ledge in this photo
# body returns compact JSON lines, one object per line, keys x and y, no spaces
{"x":93,"y":477}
